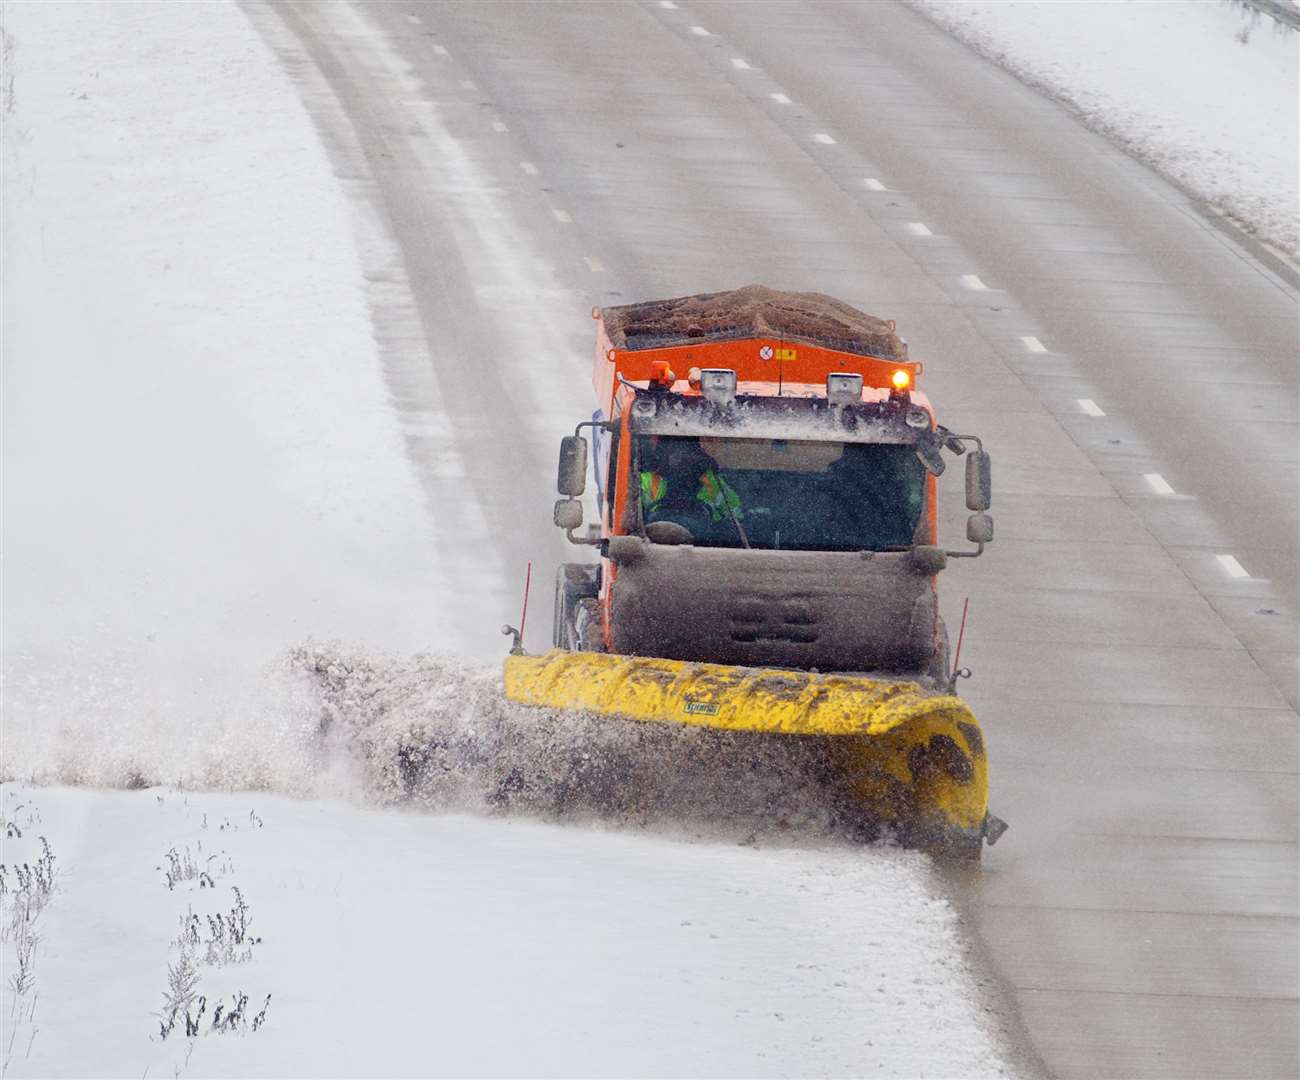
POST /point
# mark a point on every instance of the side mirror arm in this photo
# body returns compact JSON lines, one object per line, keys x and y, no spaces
{"x":605,"y":425}
{"x":594,"y":541}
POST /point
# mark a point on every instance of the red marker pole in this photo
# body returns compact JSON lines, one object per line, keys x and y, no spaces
{"x":961,"y":634}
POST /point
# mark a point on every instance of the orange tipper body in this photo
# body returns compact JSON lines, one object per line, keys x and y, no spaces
{"x":765,"y":472}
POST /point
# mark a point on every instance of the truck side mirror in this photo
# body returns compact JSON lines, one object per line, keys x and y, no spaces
{"x":571,"y":478}
{"x":568,"y":514}
{"x":927,"y":449}
{"x":979,"y":529}
{"x":979,"y":481}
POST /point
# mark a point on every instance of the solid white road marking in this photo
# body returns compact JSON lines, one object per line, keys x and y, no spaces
{"x":562,"y":216}
{"x":594,"y":264}
{"x":1087,"y":405}
{"x":1231,"y":567}
{"x":1032,"y":344}
{"x":972,"y":281}
{"x":917,"y":228}
{"x":699,"y":31}
{"x":739,"y":64}
{"x":440,"y":50}
{"x":667,"y":5}
{"x":497,"y":125}
{"x":780,"y":99}
{"x":467,"y":84}
{"x":872,"y":184}
{"x":528,"y":167}
{"x":822,"y":137}
{"x":1158,"y":483}
{"x":413,"y":18}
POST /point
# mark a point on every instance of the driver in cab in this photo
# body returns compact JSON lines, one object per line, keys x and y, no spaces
{"x":679,"y":482}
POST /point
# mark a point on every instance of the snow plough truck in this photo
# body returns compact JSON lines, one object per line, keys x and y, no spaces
{"x":765,"y":480}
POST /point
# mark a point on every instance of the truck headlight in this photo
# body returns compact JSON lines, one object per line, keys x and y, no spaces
{"x":916,"y":418}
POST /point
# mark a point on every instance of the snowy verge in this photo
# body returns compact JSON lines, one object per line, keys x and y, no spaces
{"x":1207,"y":95}
{"x":202,"y":465}
{"x":414,"y":945}
{"x":201,"y":462}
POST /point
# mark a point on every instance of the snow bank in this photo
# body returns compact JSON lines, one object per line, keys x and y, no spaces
{"x":415,"y":945}
{"x":1205,"y":93}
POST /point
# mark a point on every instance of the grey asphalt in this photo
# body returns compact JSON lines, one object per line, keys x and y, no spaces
{"x":1139,"y":701}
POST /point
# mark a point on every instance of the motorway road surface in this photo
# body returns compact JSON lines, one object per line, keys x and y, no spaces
{"x":1132,"y":367}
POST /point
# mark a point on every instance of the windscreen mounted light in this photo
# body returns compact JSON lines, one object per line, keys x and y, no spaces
{"x":718,"y":385}
{"x":843,"y":388}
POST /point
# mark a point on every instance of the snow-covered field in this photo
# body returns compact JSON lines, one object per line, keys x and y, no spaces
{"x":405,"y":944}
{"x":202,"y":469}
{"x":1203,"y":91}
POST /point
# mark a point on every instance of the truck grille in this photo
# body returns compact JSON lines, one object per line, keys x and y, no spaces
{"x":757,"y":620}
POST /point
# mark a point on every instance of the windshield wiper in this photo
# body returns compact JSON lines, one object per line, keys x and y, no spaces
{"x":736,"y":521}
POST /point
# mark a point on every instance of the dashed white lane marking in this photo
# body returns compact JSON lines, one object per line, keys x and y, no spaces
{"x":739,"y":64}
{"x":1158,"y":483}
{"x":594,"y":264}
{"x":440,"y":50}
{"x":699,"y":31}
{"x":1231,"y":567}
{"x":1087,"y":405}
{"x":528,"y":167}
{"x":823,"y":137}
{"x":780,"y":99}
{"x":468,"y":84}
{"x":562,"y":216}
{"x":1032,"y":344}
{"x":972,"y":281}
{"x":497,"y":125}
{"x":667,"y":5}
{"x":413,"y":19}
{"x":918,"y":228}
{"x":872,"y":184}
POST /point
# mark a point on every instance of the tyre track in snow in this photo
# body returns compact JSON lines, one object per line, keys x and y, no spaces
{"x":387,"y":137}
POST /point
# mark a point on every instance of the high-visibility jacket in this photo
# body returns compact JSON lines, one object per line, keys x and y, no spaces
{"x":715,"y":494}
{"x":719,"y":497}
{"x":653,"y":489}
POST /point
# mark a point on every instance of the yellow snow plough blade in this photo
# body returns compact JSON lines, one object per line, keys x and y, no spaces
{"x":913,"y":760}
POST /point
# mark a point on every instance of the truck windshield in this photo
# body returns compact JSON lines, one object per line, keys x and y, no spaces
{"x":773,"y":493}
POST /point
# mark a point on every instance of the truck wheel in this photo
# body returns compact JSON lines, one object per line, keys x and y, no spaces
{"x":574,"y":583}
{"x":587,"y":636}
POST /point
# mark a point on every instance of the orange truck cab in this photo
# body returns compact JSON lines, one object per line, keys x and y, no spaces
{"x":765,"y":479}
